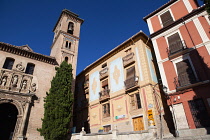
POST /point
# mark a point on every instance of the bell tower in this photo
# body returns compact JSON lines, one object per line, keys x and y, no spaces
{"x":66,"y":38}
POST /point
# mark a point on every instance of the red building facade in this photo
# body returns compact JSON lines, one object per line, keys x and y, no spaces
{"x":180,"y":33}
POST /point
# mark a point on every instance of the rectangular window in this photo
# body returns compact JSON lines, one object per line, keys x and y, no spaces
{"x":175,"y":43}
{"x":130,"y":77}
{"x":166,"y":19}
{"x":199,"y":113}
{"x":107,"y":128}
{"x":8,"y":64}
{"x":185,"y":73}
{"x":135,"y":101}
{"x":30,"y":68}
{"x":106,"y":110}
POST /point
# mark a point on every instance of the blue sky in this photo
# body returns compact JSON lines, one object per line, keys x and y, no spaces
{"x":107,"y":23}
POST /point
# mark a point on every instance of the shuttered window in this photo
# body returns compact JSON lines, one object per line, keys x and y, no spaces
{"x":166,"y":18}
{"x":105,"y":83}
{"x":130,"y":72}
{"x":135,"y":101}
{"x":106,"y":110}
{"x":175,"y":43}
{"x":130,"y":78}
{"x":8,"y":64}
{"x":186,"y":75}
{"x":138,"y":100}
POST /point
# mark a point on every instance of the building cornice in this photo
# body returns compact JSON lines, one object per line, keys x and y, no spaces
{"x":181,"y":20}
{"x":162,"y":7}
{"x":26,"y":53}
{"x":125,"y":44}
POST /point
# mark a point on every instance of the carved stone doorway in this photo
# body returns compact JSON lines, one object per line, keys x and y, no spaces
{"x":8,"y":119}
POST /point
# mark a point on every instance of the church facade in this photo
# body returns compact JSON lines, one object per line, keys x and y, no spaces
{"x":25,"y":78}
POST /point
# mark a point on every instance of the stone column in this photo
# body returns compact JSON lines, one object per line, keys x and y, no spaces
{"x":21,"y":135}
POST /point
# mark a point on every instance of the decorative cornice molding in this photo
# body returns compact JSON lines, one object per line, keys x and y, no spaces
{"x":181,"y":20}
{"x":25,"y":53}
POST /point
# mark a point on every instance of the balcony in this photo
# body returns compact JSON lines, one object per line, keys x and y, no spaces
{"x":176,"y":49}
{"x":185,"y":81}
{"x":104,"y":95}
{"x":131,"y":83}
{"x":86,"y":84}
{"x":128,"y":59}
{"x":104,"y":73}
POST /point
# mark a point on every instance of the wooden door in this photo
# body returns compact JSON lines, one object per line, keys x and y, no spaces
{"x":138,"y":124}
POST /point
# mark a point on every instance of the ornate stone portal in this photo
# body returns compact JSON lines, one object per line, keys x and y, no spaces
{"x":16,"y":89}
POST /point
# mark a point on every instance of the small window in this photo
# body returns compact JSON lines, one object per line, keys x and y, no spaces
{"x":128,"y":51}
{"x":135,"y":101}
{"x":104,"y":65}
{"x":175,"y":43}
{"x":8,"y":64}
{"x":106,"y":110}
{"x":166,"y":19}
{"x":68,"y":45}
{"x":66,"y":59}
{"x":107,"y":128}
{"x":70,"y":28}
{"x":185,"y":73}
{"x":30,"y":68}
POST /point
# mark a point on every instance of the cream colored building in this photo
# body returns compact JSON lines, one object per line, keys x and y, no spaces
{"x":25,"y":78}
{"x":119,"y":89}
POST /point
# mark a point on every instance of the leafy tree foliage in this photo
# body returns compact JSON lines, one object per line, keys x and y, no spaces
{"x":207,"y":2}
{"x":58,"y":105}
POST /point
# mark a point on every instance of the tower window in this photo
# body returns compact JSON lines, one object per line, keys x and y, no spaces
{"x":30,"y":68}
{"x":70,"y":28}
{"x":68,"y":45}
{"x":66,"y":59}
{"x":8,"y":64}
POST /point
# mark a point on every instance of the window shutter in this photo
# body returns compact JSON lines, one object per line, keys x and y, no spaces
{"x":175,"y":43}
{"x":166,"y":18}
{"x":130,"y":72}
{"x":138,"y":100}
{"x":185,"y":73}
{"x":104,"y":83}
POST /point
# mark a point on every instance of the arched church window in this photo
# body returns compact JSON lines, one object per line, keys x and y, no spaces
{"x":68,"y":45}
{"x":30,"y":68}
{"x":9,"y":62}
{"x":70,"y":28}
{"x":66,"y":59}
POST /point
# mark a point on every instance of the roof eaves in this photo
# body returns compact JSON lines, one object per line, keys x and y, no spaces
{"x":159,"y":9}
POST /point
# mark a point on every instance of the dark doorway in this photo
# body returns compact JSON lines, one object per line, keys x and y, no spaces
{"x":8,"y":118}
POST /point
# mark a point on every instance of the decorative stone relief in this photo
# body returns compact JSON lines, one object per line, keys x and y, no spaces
{"x":16,"y":81}
{"x":20,"y":67}
{"x":33,"y":87}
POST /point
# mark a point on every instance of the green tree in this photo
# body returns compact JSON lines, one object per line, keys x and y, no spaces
{"x":207,"y":2}
{"x":58,"y":105}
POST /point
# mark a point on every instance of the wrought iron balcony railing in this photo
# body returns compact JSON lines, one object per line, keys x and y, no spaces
{"x":128,"y":59}
{"x":131,"y":82}
{"x":184,"y":80}
{"x":176,"y":47}
{"x":104,"y":94}
{"x":104,"y":73}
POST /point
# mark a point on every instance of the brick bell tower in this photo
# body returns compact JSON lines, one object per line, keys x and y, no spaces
{"x":66,"y":38}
